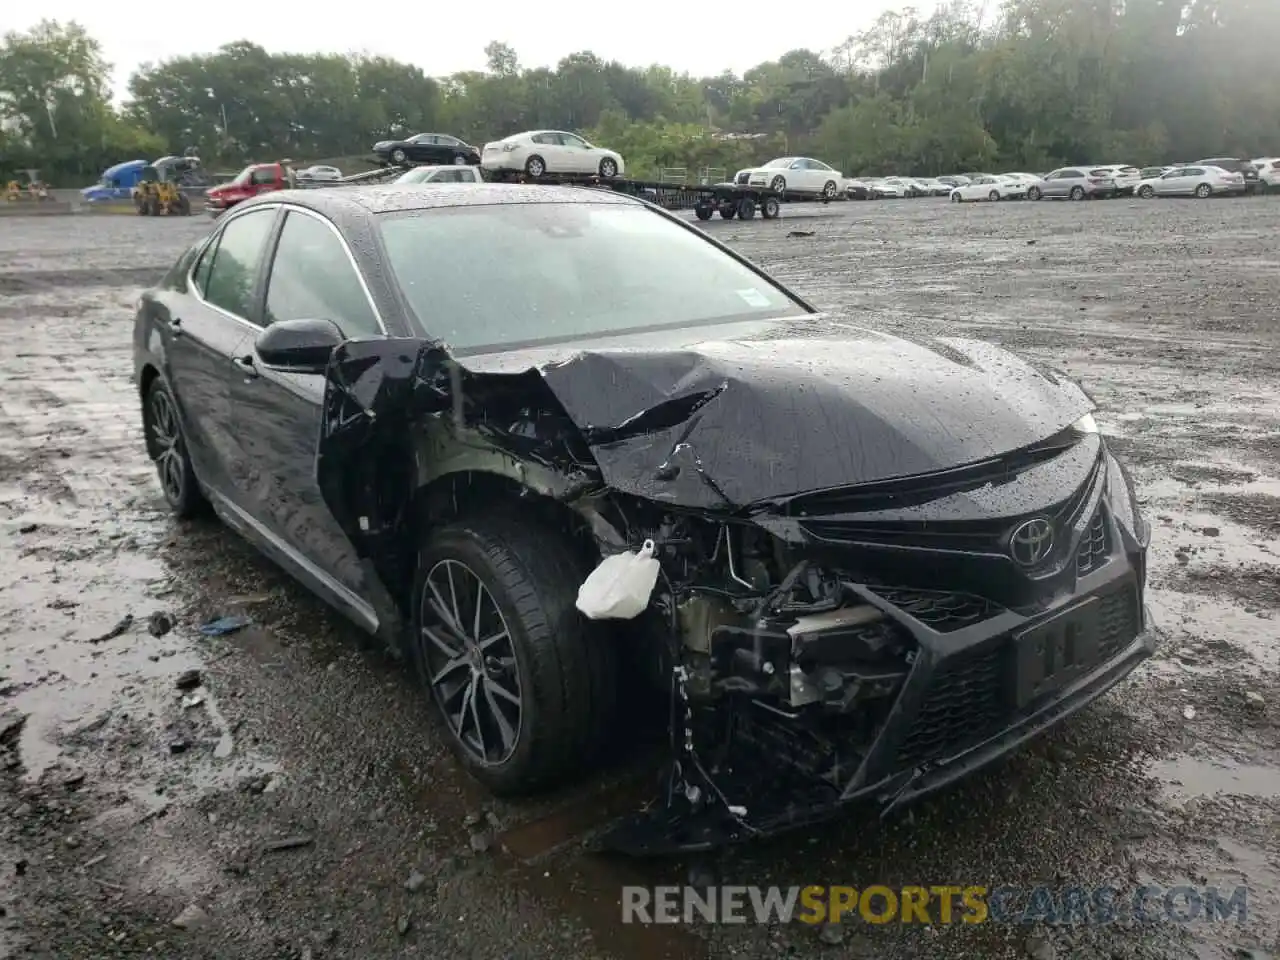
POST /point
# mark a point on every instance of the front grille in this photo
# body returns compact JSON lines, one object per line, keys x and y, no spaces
{"x":969,"y":697}
{"x":1095,"y":546}
{"x":943,"y":612}
{"x":966,"y":703}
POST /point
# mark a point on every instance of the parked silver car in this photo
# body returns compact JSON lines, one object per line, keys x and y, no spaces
{"x":1202,"y":180}
{"x":1076,"y":183}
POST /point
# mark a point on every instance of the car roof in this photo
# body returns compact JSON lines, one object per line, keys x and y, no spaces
{"x":337,"y":203}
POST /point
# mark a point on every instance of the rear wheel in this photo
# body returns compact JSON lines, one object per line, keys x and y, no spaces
{"x":993,"y":195}
{"x":535,"y":166}
{"x":1077,"y":193}
{"x":398,"y":157}
{"x":608,"y":168}
{"x":1146,"y":191}
{"x":167,"y":447}
{"x":770,"y":208}
{"x":459,"y":159}
{"x":1204,"y":191}
{"x":829,"y":190}
{"x":1034,"y":193}
{"x":955,"y":197}
{"x":525,"y":684}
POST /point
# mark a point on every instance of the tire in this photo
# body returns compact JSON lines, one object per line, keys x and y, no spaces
{"x":746,"y":208}
{"x":459,"y":160}
{"x":153,"y":206}
{"x":608,"y":168}
{"x":1077,"y":193}
{"x":778,"y":185}
{"x":398,"y":157}
{"x":560,"y":666}
{"x":1034,"y":193}
{"x":703,"y":211}
{"x":1204,"y":191}
{"x":1146,"y":192}
{"x":770,"y":208}
{"x":140,"y":206}
{"x":955,"y":198}
{"x":183,"y":206}
{"x":829,"y":190}
{"x":167,"y":447}
{"x":728,"y":211}
{"x":993,"y":196}
{"x":535,"y":166}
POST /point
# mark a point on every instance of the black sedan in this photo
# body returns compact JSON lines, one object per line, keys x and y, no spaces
{"x":434,"y":148}
{"x":867,"y":565}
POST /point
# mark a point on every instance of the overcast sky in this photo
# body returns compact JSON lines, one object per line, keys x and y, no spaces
{"x":445,"y":38}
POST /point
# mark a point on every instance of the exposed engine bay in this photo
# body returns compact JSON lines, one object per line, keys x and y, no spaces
{"x":818,"y":646}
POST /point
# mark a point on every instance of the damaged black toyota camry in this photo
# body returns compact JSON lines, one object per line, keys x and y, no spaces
{"x":856,"y":566}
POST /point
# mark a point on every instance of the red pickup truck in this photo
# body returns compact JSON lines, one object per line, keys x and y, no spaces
{"x":252,"y":180}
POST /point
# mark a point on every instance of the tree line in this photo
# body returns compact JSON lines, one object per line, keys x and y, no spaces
{"x":1037,"y":84}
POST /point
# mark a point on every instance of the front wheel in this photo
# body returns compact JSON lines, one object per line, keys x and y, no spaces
{"x":398,"y":157}
{"x":829,"y":190}
{"x":778,"y":186}
{"x":459,"y":159}
{"x":1077,"y":193}
{"x":1204,"y":191}
{"x":535,"y":166}
{"x":1034,"y":193}
{"x":608,"y":168}
{"x":1146,"y":193}
{"x":993,"y":196}
{"x":525,"y":684}
{"x":955,"y":198}
{"x":167,"y":447}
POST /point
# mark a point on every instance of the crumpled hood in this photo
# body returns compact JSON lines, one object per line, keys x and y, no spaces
{"x":731,"y":422}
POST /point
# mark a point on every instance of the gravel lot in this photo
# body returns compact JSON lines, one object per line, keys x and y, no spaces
{"x":123,"y":808}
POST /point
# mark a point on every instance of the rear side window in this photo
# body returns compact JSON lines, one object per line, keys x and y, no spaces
{"x":234,"y":271}
{"x":1101,"y":172}
{"x":313,"y":278}
{"x":1070,"y":174}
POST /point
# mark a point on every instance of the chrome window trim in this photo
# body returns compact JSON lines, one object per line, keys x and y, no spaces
{"x":289,"y":208}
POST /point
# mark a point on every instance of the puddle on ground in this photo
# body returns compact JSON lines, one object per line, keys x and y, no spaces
{"x":1186,"y":778}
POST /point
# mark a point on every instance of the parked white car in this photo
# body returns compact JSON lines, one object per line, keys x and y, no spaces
{"x":1126,"y":177}
{"x":1191,"y":181}
{"x":794,"y":175}
{"x":989,"y":188}
{"x":320,"y":172}
{"x":539,"y":152}
{"x":1032,"y":181}
{"x":441,"y":174}
{"x":1268,"y":171}
{"x":883,"y":189}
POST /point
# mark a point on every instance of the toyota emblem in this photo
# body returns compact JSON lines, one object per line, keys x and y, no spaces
{"x":1031,"y":542}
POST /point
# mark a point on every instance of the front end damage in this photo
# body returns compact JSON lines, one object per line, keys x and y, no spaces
{"x":875,"y":637}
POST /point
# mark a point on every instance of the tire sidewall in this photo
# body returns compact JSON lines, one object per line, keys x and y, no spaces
{"x":608,"y":168}
{"x":778,"y":185}
{"x":1077,"y":193}
{"x":398,"y":156}
{"x":531,"y":162}
{"x":458,"y":543}
{"x":192,"y":496}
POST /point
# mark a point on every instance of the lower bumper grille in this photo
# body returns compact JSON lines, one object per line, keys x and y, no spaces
{"x":970,"y":697}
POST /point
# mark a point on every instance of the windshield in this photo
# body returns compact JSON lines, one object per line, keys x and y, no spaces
{"x":416,"y":175}
{"x":496,"y":276}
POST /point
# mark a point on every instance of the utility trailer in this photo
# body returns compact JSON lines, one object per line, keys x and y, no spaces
{"x":704,"y":199}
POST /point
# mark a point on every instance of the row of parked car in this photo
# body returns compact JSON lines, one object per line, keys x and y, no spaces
{"x":1204,"y":178}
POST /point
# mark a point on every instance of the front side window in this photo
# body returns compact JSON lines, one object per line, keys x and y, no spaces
{"x":488,"y":277}
{"x":264,"y":176}
{"x":234,"y":270}
{"x":313,"y":278}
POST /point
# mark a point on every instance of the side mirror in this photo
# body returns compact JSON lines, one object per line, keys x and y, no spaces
{"x":299,"y":346}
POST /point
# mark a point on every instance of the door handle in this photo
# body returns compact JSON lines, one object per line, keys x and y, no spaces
{"x":245,"y":366}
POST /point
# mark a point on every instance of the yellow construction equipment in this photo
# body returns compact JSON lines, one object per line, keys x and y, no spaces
{"x":33,"y":189}
{"x":159,"y":190}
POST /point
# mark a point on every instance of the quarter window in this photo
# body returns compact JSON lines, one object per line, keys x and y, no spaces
{"x":312,"y":278}
{"x":234,"y":270}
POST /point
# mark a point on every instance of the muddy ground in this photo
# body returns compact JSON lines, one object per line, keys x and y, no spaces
{"x":299,"y":802}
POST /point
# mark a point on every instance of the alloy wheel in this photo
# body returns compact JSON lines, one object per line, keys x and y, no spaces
{"x":166,"y":438}
{"x":471,"y":662}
